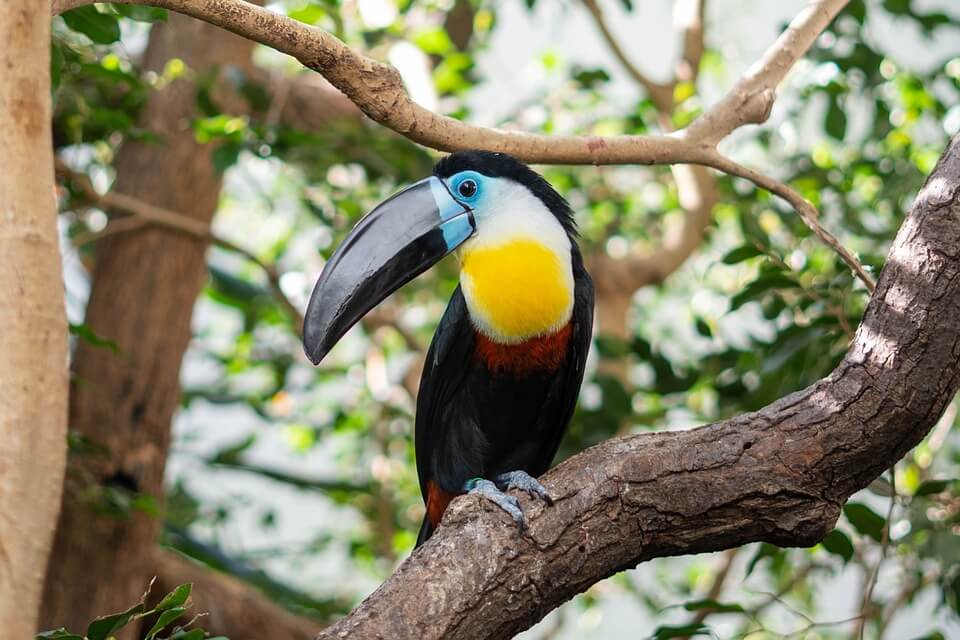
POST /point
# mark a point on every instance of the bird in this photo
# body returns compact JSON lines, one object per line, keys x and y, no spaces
{"x":504,"y":369}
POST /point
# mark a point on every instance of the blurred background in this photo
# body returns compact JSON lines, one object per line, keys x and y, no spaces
{"x":198,"y":425}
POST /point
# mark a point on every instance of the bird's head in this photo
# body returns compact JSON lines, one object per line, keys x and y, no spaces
{"x":474,"y":198}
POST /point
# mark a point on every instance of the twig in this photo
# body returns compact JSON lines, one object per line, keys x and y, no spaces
{"x":807,"y":212}
{"x":692,"y":30}
{"x":145,"y":213}
{"x":660,"y":94}
{"x":866,"y":606}
{"x":716,"y":587}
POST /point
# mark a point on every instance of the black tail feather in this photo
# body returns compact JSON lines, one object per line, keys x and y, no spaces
{"x":426,"y":530}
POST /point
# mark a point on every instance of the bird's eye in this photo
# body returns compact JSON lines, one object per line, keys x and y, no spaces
{"x":467,"y":188}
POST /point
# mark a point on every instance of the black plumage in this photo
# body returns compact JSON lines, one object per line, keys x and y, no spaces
{"x":476,"y":421}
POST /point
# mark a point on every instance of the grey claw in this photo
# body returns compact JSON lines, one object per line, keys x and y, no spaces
{"x":508,"y":503}
{"x":525,"y":482}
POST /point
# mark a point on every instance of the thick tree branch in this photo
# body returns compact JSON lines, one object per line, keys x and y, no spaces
{"x":779,"y":475}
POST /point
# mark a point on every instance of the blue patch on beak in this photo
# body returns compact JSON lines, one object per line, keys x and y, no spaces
{"x":457,"y":226}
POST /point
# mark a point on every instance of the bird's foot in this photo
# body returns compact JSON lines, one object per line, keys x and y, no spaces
{"x":489,"y":490}
{"x":523,"y":481}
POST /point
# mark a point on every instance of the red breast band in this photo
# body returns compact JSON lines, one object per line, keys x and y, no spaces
{"x":540,"y":354}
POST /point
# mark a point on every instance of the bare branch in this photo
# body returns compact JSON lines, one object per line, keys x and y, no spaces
{"x":378,"y":90}
{"x":752,"y":98}
{"x":146,"y":213}
{"x":690,"y":17}
{"x":660,"y":94}
{"x":778,"y":475}
{"x":808,"y":213}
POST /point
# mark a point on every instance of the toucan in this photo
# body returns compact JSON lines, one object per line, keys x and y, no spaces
{"x":504,"y":368}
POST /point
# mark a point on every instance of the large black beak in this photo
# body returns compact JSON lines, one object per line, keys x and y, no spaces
{"x":390,"y":246}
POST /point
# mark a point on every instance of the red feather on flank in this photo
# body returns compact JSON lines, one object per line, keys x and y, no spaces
{"x":540,"y":354}
{"x":437,"y":501}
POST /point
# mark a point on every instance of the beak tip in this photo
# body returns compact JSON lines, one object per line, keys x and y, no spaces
{"x":315,"y":350}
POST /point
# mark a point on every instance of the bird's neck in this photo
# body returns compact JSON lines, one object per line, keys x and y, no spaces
{"x":518,"y":280}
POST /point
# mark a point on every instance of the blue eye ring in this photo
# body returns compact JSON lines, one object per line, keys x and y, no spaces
{"x":466,"y":186}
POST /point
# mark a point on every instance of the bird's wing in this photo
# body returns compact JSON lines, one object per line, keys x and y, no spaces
{"x":562,"y":399}
{"x":447,"y":363}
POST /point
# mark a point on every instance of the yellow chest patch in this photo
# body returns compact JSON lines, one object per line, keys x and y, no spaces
{"x":518,"y":289}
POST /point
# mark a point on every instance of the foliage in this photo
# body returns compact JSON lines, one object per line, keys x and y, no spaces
{"x":264,"y":441}
{"x":161,"y":619}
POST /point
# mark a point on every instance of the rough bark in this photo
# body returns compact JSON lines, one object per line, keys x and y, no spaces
{"x":33,"y":325}
{"x":144,"y":286}
{"x":779,"y":475}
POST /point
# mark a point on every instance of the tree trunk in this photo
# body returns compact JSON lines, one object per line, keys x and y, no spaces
{"x":144,"y":286}
{"x":33,"y":326}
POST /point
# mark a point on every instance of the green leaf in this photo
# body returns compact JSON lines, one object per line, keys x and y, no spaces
{"x":742,"y":253}
{"x":102,"y":628}
{"x":56,"y":64}
{"x":838,"y":543}
{"x":192,"y":634}
{"x":226,"y":155}
{"x":760,"y":286}
{"x":836,"y":120}
{"x":86,"y":334}
{"x":101,"y":28}
{"x":931,"y":487}
{"x":664,"y":632}
{"x":164,"y":620}
{"x":765,"y":551}
{"x":587,"y":77}
{"x":175,"y":598}
{"x":713,"y":606}
{"x":58,"y":634}
{"x":865,"y":520}
{"x":611,"y":347}
{"x":703,"y":328}
{"x":140,"y":13}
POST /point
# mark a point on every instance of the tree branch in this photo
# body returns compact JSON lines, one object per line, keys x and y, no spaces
{"x":146,"y":213}
{"x":378,"y":89}
{"x":690,"y":17}
{"x":779,"y":475}
{"x":752,"y":97}
{"x":660,"y":94}
{"x":807,"y":212}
